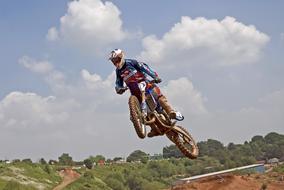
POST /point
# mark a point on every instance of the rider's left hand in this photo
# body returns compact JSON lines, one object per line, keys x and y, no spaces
{"x":158,"y":80}
{"x":121,"y":90}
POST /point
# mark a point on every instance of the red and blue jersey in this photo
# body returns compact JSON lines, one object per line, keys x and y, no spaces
{"x":133,"y":72}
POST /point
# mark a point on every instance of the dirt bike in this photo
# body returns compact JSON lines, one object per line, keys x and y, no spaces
{"x":160,"y":121}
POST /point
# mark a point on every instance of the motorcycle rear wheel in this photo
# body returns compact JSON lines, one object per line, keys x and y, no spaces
{"x":136,"y":116}
{"x":185,"y":142}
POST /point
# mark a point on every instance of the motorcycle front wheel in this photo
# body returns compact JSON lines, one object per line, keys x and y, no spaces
{"x":136,"y":116}
{"x":184,"y":142}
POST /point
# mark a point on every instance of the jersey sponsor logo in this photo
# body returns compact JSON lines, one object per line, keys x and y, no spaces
{"x":126,"y":74}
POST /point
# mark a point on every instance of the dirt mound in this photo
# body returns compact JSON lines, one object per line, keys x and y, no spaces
{"x":234,"y":182}
{"x":69,"y":173}
{"x":68,"y":176}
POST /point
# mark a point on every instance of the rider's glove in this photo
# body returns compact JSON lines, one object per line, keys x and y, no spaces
{"x":120,"y":90}
{"x":157,"y":80}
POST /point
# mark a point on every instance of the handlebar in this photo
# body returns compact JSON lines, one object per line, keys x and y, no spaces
{"x":151,"y":82}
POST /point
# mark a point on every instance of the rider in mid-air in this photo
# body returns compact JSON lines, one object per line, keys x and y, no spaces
{"x":135,"y":75}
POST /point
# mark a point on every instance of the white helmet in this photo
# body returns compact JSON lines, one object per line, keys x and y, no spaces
{"x":116,"y":56}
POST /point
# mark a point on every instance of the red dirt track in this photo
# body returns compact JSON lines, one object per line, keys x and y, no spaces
{"x":235,"y":182}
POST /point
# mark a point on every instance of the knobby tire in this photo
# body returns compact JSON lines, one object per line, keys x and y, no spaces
{"x":135,"y":115}
{"x":179,"y":139}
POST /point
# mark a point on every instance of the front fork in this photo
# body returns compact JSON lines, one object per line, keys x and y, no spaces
{"x":142,"y":87}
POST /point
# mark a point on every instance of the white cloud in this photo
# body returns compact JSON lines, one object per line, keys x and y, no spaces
{"x":29,"y":110}
{"x":90,"y":23}
{"x":52,"y":34}
{"x":195,"y":41}
{"x":54,"y":78}
{"x":71,"y":104}
{"x":41,"y":67}
{"x":95,"y":81}
{"x":182,"y":94}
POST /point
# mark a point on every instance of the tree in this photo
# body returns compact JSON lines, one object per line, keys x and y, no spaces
{"x":97,"y":158}
{"x":258,"y":154}
{"x":27,"y":160}
{"x":171,"y":151}
{"x":257,"y":138}
{"x":162,"y":168}
{"x":109,"y":161}
{"x":16,"y":161}
{"x":117,"y":159}
{"x":52,"y":162}
{"x":274,"y":138}
{"x":65,"y":159}
{"x":274,"y":151}
{"x":137,"y":155}
{"x":214,"y":145}
{"x":42,"y":161}
{"x":231,"y":146}
{"x":88,"y":163}
{"x":203,"y":148}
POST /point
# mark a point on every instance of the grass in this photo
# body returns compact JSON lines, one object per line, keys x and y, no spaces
{"x":279,"y":169}
{"x":86,"y":182}
{"x":2,"y":183}
{"x":40,"y":172}
{"x":13,"y":185}
{"x":36,"y":174}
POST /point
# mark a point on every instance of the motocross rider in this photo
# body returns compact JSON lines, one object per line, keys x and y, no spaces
{"x":135,"y":75}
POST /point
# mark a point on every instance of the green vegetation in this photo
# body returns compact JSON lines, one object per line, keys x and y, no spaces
{"x":259,"y":148}
{"x":41,"y":172}
{"x":65,"y":160}
{"x":25,"y":175}
{"x":2,"y":183}
{"x":138,"y":155}
{"x":88,"y":163}
{"x":88,"y":181}
{"x":17,"y":186}
{"x":140,"y":172}
{"x":279,"y":169}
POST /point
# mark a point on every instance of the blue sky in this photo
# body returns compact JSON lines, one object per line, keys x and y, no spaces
{"x":224,"y":57}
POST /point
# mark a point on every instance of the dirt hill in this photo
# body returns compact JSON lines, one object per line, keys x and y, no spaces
{"x":272,"y":181}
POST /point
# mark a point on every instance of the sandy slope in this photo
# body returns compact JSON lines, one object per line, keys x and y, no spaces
{"x":68,"y":176}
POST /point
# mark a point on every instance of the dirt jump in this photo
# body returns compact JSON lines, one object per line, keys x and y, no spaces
{"x":68,"y":176}
{"x":236,"y":182}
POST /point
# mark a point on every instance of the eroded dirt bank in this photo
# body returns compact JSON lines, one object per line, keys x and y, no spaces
{"x":68,"y":176}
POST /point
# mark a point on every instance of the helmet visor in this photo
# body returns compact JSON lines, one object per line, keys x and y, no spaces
{"x":116,"y":60}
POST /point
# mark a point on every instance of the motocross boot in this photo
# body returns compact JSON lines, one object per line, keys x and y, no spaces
{"x":169,"y":110}
{"x":152,"y":133}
